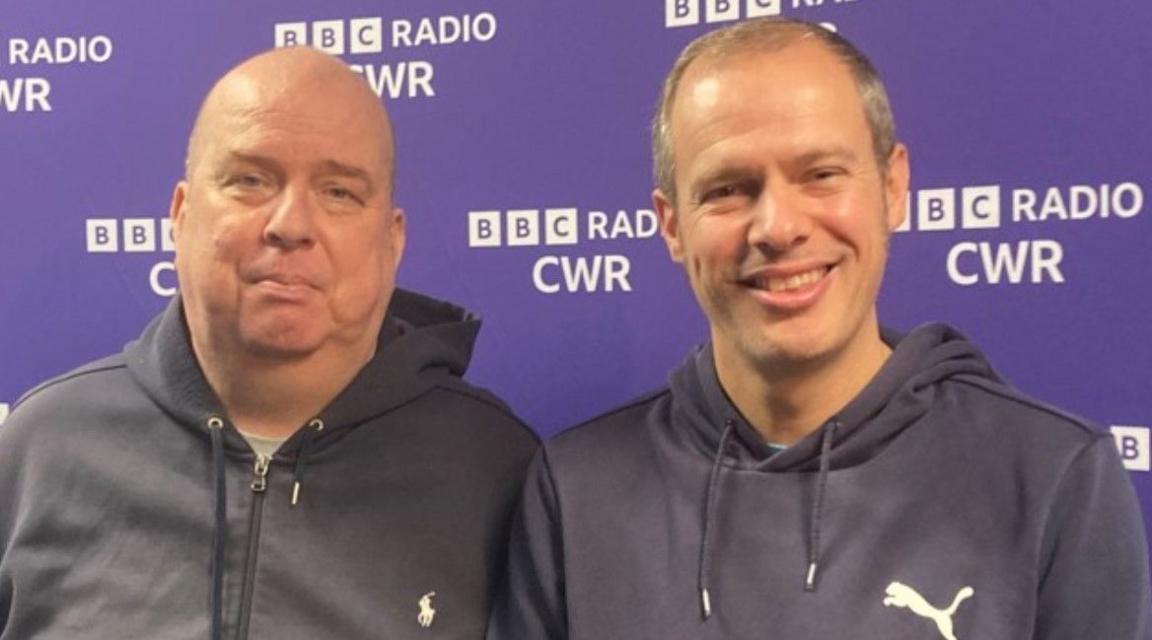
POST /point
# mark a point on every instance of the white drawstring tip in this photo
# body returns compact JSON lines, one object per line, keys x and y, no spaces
{"x":706,"y":601}
{"x":810,"y":581}
{"x":295,"y":492}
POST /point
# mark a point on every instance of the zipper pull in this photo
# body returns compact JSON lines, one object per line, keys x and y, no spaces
{"x":260,"y":473}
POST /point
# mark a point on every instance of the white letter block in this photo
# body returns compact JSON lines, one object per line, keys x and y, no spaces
{"x":523,"y":227}
{"x":483,"y":228}
{"x":103,"y":236}
{"x":980,"y":207}
{"x":139,"y":235}
{"x":761,"y":8}
{"x":328,"y":36}
{"x":936,"y":210}
{"x":681,"y":13}
{"x":1132,"y":443}
{"x":291,"y":34}
{"x":366,"y":35}
{"x":560,"y":226}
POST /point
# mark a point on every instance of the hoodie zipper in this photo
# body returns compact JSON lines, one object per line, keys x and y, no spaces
{"x":259,"y":486}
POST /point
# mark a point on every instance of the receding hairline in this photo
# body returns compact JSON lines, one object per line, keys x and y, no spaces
{"x":281,"y":72}
{"x":766,"y":36}
{"x":718,"y":47}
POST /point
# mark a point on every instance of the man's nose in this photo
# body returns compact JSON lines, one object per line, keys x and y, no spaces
{"x":292,"y":223}
{"x":779,"y":220}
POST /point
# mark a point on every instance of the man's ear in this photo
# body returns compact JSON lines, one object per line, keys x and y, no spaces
{"x":176,"y":208}
{"x":397,"y":235}
{"x":669,"y":224}
{"x":896,"y":186}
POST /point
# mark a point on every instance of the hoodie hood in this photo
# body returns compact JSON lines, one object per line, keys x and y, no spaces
{"x":422,"y":343}
{"x":893,"y":400}
{"x":901,"y":392}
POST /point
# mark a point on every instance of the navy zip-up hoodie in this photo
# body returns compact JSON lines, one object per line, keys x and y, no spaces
{"x":131,"y":508}
{"x":940,"y":503}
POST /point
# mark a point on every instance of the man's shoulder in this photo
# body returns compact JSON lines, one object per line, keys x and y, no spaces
{"x":96,"y":377}
{"x":486,"y":410}
{"x":64,"y":398}
{"x":621,"y":429}
{"x":1008,"y":412}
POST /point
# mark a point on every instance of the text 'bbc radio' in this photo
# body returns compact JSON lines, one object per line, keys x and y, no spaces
{"x":551,"y":274}
{"x":363,"y":36}
{"x":990,"y":207}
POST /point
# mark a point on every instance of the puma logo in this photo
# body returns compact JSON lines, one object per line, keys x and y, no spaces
{"x":901,"y":595}
{"x":427,"y":613}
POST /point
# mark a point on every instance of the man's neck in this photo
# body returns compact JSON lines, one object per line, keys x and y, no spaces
{"x":785,"y":402}
{"x":274,"y":397}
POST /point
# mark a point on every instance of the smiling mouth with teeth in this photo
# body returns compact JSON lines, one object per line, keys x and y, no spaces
{"x":790,"y":283}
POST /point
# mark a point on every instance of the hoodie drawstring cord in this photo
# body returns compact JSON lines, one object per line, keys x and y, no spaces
{"x":220,"y":536}
{"x":818,"y":506}
{"x":710,"y":500}
{"x":315,"y":426}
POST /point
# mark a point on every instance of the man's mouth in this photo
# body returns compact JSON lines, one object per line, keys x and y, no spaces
{"x":287,"y":280}
{"x":794,"y":282}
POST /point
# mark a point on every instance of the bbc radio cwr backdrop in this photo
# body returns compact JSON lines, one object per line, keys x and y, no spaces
{"x":524,"y":168}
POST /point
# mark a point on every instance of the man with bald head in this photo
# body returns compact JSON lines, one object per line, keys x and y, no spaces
{"x":288,"y":451}
{"x":805,"y":474}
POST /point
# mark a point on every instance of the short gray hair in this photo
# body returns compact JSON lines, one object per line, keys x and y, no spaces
{"x":767,"y":35}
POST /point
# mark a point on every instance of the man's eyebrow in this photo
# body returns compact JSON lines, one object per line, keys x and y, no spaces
{"x":726,"y":173}
{"x":332,"y":167}
{"x":263,"y":162}
{"x":344,"y":170}
{"x":845,"y":154}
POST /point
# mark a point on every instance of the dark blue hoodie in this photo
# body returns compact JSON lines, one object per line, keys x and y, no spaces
{"x":940,"y":503}
{"x":131,"y":508}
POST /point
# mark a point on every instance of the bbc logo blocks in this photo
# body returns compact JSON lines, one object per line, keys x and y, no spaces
{"x":522,"y":228}
{"x":683,"y":13}
{"x":131,"y":235}
{"x":362,"y":35}
{"x":979,"y":208}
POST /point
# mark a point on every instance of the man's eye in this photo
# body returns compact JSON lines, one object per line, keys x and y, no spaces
{"x":246,"y":180}
{"x":724,"y":191}
{"x":341,"y":194}
{"x":826,"y":173}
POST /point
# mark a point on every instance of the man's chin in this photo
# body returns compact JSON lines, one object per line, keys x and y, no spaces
{"x":281,"y":343}
{"x":279,"y":351}
{"x":787,"y":352}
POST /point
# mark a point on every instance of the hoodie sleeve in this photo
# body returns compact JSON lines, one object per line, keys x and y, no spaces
{"x":531,"y":603}
{"x":1094,"y":580}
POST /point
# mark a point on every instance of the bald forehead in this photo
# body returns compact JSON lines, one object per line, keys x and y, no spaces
{"x":297,"y":69}
{"x":702,"y":80}
{"x":800,"y":46}
{"x":286,"y":79}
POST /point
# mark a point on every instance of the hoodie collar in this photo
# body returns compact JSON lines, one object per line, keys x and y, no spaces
{"x":899,"y":394}
{"x":422,"y":341}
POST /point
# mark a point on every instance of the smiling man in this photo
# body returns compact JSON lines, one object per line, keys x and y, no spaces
{"x":807,"y":474}
{"x":289,"y":450}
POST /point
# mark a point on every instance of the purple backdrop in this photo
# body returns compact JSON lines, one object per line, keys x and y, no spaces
{"x":1026,"y":124}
